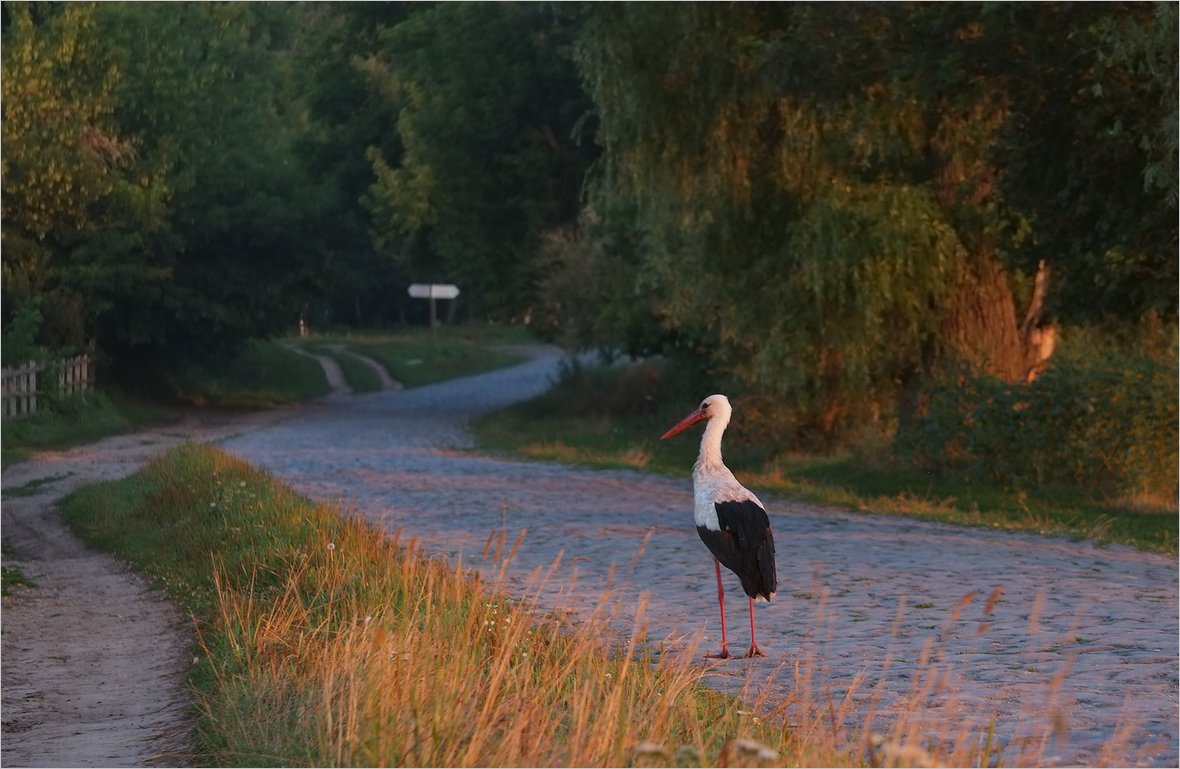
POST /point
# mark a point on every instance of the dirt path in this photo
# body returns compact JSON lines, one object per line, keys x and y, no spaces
{"x":335,"y":375}
{"x":332,"y":371}
{"x":387,"y":382}
{"x":94,"y":660}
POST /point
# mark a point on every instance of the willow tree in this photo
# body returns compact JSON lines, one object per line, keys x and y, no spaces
{"x":820,"y":188}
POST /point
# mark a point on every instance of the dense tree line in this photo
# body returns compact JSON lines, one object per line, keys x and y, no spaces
{"x":835,"y":200}
{"x":826,"y":204}
{"x":179,"y":178}
{"x":151,"y":201}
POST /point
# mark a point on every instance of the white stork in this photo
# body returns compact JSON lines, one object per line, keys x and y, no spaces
{"x":731,"y":521}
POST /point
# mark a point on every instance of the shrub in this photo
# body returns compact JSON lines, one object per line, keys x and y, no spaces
{"x":601,"y":389}
{"x":1107,"y":425}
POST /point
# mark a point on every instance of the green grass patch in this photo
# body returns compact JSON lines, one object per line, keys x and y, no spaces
{"x":880,"y":484}
{"x":417,"y":357}
{"x":322,"y":642}
{"x":70,"y":422}
{"x":12,"y":578}
{"x":263,"y":374}
{"x":613,"y":419}
{"x":361,"y":378}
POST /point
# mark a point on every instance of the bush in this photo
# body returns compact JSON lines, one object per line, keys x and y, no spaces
{"x":1108,"y":426}
{"x":603,"y":389}
{"x":19,"y":336}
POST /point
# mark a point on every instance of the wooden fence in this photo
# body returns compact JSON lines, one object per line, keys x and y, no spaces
{"x":28,"y":386}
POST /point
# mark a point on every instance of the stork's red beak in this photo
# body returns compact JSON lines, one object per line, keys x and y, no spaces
{"x":684,"y":424}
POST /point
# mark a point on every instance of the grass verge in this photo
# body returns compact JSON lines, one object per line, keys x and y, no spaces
{"x":11,"y":578}
{"x":73,"y":421}
{"x":417,"y":357}
{"x":263,"y":375}
{"x":598,"y":426}
{"x":324,"y":642}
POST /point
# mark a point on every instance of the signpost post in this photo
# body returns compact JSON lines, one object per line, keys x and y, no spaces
{"x":433,"y":291}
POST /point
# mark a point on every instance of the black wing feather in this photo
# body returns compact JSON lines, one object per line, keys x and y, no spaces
{"x":744,"y":545}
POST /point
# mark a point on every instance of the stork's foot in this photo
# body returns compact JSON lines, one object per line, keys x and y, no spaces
{"x":723,"y":654}
{"x":754,"y":651}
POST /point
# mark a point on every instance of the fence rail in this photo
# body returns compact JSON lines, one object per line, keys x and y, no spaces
{"x":26,"y":388}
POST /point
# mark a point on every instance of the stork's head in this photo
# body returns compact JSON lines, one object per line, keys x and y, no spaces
{"x":714,"y":407}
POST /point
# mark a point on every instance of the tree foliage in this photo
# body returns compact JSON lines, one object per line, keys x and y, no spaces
{"x":152,"y":200}
{"x":1092,"y":161}
{"x":62,"y":158}
{"x":822,"y":204}
{"x":835,"y":198}
{"x":347,"y":117}
{"x":205,"y":100}
{"x":1106,"y":424}
{"x":486,"y":105}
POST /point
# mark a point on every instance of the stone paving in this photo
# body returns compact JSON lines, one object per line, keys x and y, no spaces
{"x":1067,"y":647}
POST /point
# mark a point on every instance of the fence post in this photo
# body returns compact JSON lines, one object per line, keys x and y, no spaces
{"x":31,"y":390}
{"x":19,"y":385}
{"x":69,"y":371}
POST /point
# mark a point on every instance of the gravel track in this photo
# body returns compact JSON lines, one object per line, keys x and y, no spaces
{"x":1066,"y":645}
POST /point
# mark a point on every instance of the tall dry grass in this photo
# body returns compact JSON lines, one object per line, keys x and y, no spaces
{"x":371,"y":653}
{"x":325,"y":642}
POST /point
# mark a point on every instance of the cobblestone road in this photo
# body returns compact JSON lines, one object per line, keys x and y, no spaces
{"x":1064,"y":644}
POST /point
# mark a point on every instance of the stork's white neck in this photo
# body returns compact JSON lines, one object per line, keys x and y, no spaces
{"x":710,"y":456}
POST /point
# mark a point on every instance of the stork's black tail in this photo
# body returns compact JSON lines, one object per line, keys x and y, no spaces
{"x":759,"y":579}
{"x":745,"y":545}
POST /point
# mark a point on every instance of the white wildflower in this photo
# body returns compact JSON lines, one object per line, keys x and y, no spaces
{"x":650,"y":749}
{"x":757,"y":748}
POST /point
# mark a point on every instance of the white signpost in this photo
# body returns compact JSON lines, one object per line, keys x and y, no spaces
{"x":433,"y":291}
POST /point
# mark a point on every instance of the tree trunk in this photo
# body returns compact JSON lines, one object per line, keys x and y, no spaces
{"x":980,"y":330}
{"x":980,"y":325}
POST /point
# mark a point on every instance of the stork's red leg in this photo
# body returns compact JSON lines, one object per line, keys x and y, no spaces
{"x":753,"y":651}
{"x":724,"y":653}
